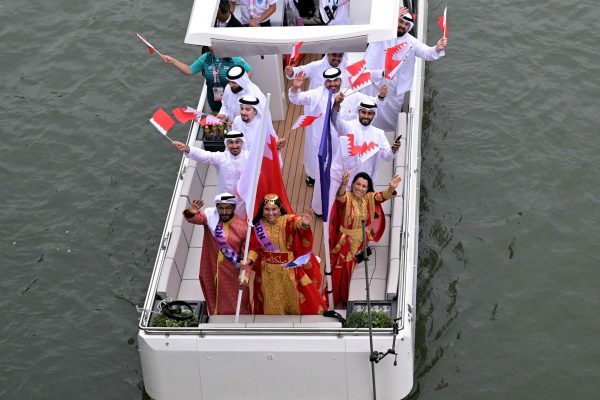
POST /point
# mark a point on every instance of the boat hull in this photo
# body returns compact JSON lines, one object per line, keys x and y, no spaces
{"x":273,"y":367}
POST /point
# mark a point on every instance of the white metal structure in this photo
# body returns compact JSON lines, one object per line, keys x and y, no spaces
{"x":289,"y":357}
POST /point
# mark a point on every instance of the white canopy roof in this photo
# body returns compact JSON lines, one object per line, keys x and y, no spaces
{"x":372,"y":20}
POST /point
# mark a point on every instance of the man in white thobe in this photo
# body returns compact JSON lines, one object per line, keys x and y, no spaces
{"x":229,"y":163}
{"x":250,"y":121}
{"x":239,"y":85}
{"x":359,"y":131}
{"x":315,"y":103}
{"x":314,"y":70}
{"x":387,"y":116}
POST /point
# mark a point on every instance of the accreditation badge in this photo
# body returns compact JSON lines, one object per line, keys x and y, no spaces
{"x":217,"y":93}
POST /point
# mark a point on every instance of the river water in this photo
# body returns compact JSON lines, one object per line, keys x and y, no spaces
{"x":508,"y":297}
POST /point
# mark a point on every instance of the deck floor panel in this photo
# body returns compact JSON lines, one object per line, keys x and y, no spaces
{"x":299,"y":194}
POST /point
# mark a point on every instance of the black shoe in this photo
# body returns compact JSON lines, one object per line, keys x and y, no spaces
{"x":310,"y":181}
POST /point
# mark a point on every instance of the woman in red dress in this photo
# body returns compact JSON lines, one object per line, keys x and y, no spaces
{"x":345,"y":227}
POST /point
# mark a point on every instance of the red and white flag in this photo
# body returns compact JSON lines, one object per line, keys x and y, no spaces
{"x":356,"y":68}
{"x":210,"y":120}
{"x":151,"y":48}
{"x":183,"y":115}
{"x":361,"y":81}
{"x":364,"y":151}
{"x":305,"y":120}
{"x":162,"y":121}
{"x":269,"y":175}
{"x":295,"y":52}
{"x":443,"y":23}
{"x":394,"y":56}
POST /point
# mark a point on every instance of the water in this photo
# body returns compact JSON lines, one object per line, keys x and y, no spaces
{"x":508,"y":284}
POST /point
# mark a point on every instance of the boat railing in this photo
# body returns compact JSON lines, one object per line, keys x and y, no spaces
{"x":146,"y":312}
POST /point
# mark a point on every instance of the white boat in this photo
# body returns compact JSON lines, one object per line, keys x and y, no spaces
{"x":290,"y":357}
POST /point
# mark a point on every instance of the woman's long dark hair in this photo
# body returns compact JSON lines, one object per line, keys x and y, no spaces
{"x":366,"y":177}
{"x":259,"y":214}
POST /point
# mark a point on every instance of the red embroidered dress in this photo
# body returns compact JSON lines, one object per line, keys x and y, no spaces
{"x":218,"y":276}
{"x":345,"y":234}
{"x":280,"y":290}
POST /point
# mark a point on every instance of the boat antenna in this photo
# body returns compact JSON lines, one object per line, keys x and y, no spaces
{"x":373,"y":355}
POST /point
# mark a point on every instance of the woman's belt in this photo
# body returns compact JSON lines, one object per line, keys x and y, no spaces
{"x":275,"y":258}
{"x":351,"y":232}
{"x":285,"y":259}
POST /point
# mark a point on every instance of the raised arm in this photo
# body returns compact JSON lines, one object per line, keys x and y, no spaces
{"x":342,"y":189}
{"x":198,"y":154}
{"x":295,"y":94}
{"x":192,"y":213}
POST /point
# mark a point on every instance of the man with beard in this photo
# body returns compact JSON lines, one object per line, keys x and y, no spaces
{"x":229,"y":163}
{"x":360,"y":132}
{"x":314,"y":70}
{"x":239,"y":85}
{"x":222,"y":251}
{"x":401,"y":83}
{"x":249,"y":121}
{"x":315,"y":103}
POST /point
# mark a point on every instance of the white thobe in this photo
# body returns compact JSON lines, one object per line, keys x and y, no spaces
{"x":387,"y":116}
{"x":353,"y":164}
{"x":230,"y":104}
{"x":251,"y":130}
{"x":229,"y":169}
{"x":315,"y":103}
{"x":314,"y":71}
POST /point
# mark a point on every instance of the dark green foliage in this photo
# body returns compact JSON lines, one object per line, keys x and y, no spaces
{"x":359,"y":319}
{"x":163,"y":320}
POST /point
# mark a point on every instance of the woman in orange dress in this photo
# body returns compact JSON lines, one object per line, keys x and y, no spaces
{"x":345,"y":226}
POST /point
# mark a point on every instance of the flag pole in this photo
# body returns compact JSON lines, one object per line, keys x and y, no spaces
{"x":250,"y":207}
{"x":328,"y":263}
{"x":445,"y":22}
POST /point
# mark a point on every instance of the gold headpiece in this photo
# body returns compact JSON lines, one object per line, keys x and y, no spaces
{"x":271,"y":198}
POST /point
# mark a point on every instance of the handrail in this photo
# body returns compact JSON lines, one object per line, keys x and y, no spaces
{"x":168,"y":228}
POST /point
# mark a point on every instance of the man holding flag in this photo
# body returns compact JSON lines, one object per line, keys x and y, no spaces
{"x":314,"y":70}
{"x":229,"y":163}
{"x":403,"y":68}
{"x":315,"y":102}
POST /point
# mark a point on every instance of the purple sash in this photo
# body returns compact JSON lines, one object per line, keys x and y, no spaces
{"x":263,"y":237}
{"x":225,"y":248}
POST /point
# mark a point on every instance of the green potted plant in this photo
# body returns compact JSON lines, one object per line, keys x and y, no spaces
{"x":175,"y":314}
{"x":360,"y":319}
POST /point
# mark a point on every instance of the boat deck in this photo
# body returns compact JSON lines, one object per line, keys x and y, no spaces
{"x":179,"y":275}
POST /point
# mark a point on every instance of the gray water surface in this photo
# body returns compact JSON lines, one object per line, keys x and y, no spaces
{"x":508,"y":296}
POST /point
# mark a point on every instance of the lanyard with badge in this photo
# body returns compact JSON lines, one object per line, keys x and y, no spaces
{"x":217,"y":89}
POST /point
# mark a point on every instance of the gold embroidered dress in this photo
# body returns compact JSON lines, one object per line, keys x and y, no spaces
{"x":345,"y":234}
{"x":279,"y":290}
